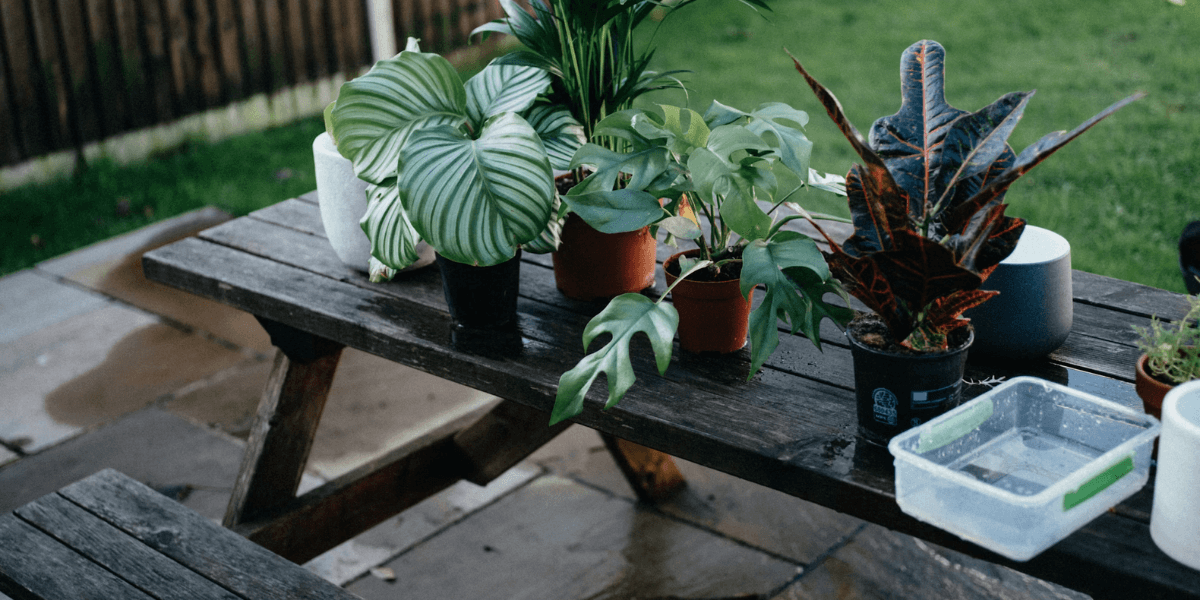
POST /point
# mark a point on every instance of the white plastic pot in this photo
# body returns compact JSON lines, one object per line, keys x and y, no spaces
{"x":1175,"y":518}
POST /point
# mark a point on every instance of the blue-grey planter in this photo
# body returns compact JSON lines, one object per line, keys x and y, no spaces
{"x":1032,"y":315}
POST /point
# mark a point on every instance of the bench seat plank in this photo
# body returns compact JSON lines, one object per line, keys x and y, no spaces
{"x":117,"y":552}
{"x":181,"y":534}
{"x":35,"y":566}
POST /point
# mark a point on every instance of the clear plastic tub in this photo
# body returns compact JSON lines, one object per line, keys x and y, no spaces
{"x":1023,"y":465}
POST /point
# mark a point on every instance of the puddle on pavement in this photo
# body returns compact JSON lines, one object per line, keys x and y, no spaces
{"x":143,"y":366}
{"x":124,"y":279}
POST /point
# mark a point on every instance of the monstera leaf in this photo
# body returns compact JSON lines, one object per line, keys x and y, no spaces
{"x":796,"y":277}
{"x":927,"y":204}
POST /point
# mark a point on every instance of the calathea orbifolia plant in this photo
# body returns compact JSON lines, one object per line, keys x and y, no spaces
{"x":928,"y":202}
{"x":718,"y":166}
{"x":463,"y":166}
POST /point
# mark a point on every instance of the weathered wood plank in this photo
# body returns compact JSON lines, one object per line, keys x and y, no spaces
{"x":184,"y":71}
{"x":503,"y":437}
{"x":28,"y":112}
{"x":158,"y":59}
{"x":278,"y":60}
{"x":228,"y":50}
{"x":364,"y":497}
{"x":115,"y":551}
{"x":204,"y":49}
{"x":10,"y":143}
{"x":52,"y":84}
{"x":791,"y":428}
{"x":282,"y":434}
{"x":183,"y":535}
{"x":109,"y":105}
{"x":253,"y":48}
{"x":317,"y":22}
{"x":86,"y":109}
{"x":1133,"y":298}
{"x":653,"y":475}
{"x":132,"y":69}
{"x":32,"y":564}
{"x":297,"y":50}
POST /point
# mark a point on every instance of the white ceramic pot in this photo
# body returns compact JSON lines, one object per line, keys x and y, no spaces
{"x":343,"y":200}
{"x":1032,"y":315}
{"x":1175,"y":518}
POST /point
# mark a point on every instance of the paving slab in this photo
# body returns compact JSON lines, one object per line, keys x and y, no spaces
{"x":754,"y":514}
{"x":7,"y":456}
{"x":93,"y":367}
{"x":30,"y":300}
{"x":114,"y":268}
{"x":558,"y":539}
{"x":381,"y":543}
{"x":374,"y":405}
{"x":879,"y":563}
{"x":152,"y":446}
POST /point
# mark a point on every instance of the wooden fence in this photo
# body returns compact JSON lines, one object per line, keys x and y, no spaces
{"x":76,"y":71}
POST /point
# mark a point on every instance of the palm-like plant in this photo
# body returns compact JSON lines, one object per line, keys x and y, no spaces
{"x":588,"y":49}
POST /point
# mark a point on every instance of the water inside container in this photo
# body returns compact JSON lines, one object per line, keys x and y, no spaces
{"x":1025,"y":461}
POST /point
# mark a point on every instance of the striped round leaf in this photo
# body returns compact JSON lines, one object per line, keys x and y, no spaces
{"x":561,"y":134}
{"x":475,"y":201}
{"x":376,"y":112}
{"x":393,"y":239}
{"x":503,"y":88}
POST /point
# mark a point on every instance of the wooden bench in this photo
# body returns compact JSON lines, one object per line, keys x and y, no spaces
{"x":109,"y":537}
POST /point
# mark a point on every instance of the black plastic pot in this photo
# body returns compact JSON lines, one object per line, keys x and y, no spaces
{"x":897,"y":391}
{"x":481,"y":297}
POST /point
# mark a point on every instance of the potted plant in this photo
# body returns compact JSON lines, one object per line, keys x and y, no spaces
{"x":718,"y":166}
{"x":929,"y":226}
{"x":462,"y":166}
{"x":588,"y":49}
{"x":1170,"y":356}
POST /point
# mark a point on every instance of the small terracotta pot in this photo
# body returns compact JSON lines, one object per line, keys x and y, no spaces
{"x":590,"y":265}
{"x":713,"y":316}
{"x":1151,"y":390}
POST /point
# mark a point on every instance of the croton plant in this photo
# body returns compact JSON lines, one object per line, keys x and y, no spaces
{"x":928,"y":202}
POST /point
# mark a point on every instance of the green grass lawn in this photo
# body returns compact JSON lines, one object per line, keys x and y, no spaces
{"x":239,"y":175}
{"x":1121,"y":193}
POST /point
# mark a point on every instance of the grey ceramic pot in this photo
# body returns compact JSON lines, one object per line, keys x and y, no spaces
{"x":1032,"y":315}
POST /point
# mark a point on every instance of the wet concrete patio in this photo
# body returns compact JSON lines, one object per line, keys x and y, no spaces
{"x":101,"y":368}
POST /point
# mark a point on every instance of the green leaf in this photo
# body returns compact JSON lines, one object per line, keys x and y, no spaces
{"x":624,"y":316}
{"x":796,"y":277}
{"x":393,"y":238}
{"x":502,"y":88}
{"x":741,"y":213}
{"x":794,"y":148}
{"x":645,"y":168}
{"x":561,"y":134}
{"x":375,"y":113}
{"x":681,"y":227}
{"x":616,"y":211}
{"x":727,"y":140}
{"x":475,"y":201}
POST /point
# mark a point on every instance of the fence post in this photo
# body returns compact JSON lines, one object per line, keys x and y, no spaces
{"x":383,"y":33}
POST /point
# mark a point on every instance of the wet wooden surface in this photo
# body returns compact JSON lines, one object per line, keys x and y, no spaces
{"x":108,"y":536}
{"x":791,"y":427}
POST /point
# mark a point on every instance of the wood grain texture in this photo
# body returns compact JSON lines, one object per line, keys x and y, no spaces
{"x":364,"y":497}
{"x":184,"y":536}
{"x":32,"y":565}
{"x":117,"y":552}
{"x":282,"y":434}
{"x":791,"y":427}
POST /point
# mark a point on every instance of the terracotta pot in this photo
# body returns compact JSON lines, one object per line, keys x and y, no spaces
{"x":590,"y":265}
{"x":713,"y":316}
{"x":1151,"y":390}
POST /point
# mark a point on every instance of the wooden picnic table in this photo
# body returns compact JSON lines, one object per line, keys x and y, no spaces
{"x":791,"y":428}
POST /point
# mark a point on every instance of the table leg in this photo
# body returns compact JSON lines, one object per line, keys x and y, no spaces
{"x":283,"y":430}
{"x":652,"y":474}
